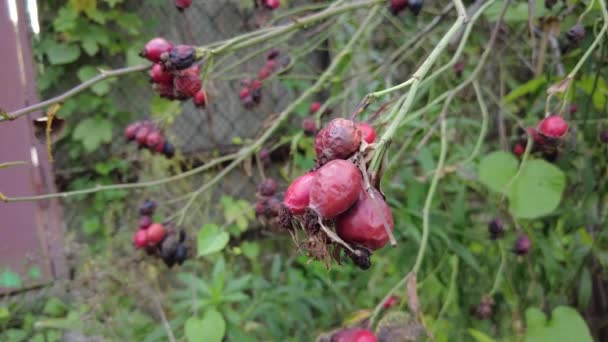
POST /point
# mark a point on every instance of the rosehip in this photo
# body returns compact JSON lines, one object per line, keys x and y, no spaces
{"x":496,"y":229}
{"x":267,"y":187}
{"x":576,"y":33}
{"x":147,"y":208}
{"x":297,"y":196}
{"x":354,"y":335}
{"x":155,"y":234}
{"x":180,"y":57}
{"x":309,"y":126}
{"x":187,"y":83}
{"x":181,"y":254}
{"x":200,"y":99}
{"x":271,"y":64}
{"x":338,"y":140}
{"x":154,"y":139}
{"x":397,"y":6}
{"x":155,"y":48}
{"x":131,"y":130}
{"x":573,"y":108}
{"x":272,"y":4}
{"x":142,"y":135}
{"x":604,"y":136}
{"x":522,"y":245}
{"x":260,"y":207}
{"x":484,"y":309}
{"x":315,"y":106}
{"x":140,"y":239}
{"x":265,"y":156}
{"x":165,"y":90}
{"x":244,"y":94}
{"x":168,"y":150}
{"x":458,"y":69}
{"x":182,"y":4}
{"x":538,"y":139}
{"x":145,"y":222}
{"x":364,"y":222}
{"x":158,"y":74}
{"x":272,"y":54}
{"x":519,"y":149}
{"x":273,"y":207}
{"x":390,"y":302}
{"x":368,"y":133}
{"x":415,"y":6}
{"x":264,"y":73}
{"x":335,"y":188}
{"x":553,"y":126}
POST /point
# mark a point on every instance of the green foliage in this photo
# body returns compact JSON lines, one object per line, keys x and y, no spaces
{"x":210,"y":328}
{"x":565,"y":324}
{"x":211,"y":240}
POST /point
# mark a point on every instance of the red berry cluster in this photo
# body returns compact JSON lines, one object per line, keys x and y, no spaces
{"x":335,"y":190}
{"x":181,"y":5}
{"x":547,"y":137}
{"x":268,"y":204}
{"x":148,"y":135}
{"x":158,"y":240}
{"x":174,"y":75}
{"x":251,"y":90}
{"x":354,"y":335}
{"x":396,"y":6}
{"x":309,"y":124}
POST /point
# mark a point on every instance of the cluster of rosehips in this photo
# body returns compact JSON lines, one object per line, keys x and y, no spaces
{"x":522,"y":245}
{"x":174,"y":75}
{"x":335,"y":192}
{"x":268,"y":205}
{"x":158,"y":240}
{"x":547,"y":136}
{"x":396,"y":6}
{"x":149,"y":136}
{"x":251,"y":90}
{"x":354,"y":335}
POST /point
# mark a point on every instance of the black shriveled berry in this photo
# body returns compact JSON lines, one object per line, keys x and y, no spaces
{"x":181,"y":57}
{"x":168,"y":150}
{"x":147,"y":208}
{"x":267,"y":187}
{"x":285,"y":218}
{"x":496,"y":229}
{"x":604,"y":136}
{"x":360,"y":257}
{"x":483,"y":310}
{"x":415,"y":6}
{"x":181,"y":254}
{"x":522,"y":245}
{"x":576,"y":33}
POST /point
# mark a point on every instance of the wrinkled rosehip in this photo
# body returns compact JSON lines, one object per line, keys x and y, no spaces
{"x":155,"y":48}
{"x":273,"y":207}
{"x":272,"y":4}
{"x":142,"y":135}
{"x":168,"y":150}
{"x":131,"y":130}
{"x":165,"y":90}
{"x":187,"y":83}
{"x":297,"y":196}
{"x":368,"y":133}
{"x":496,"y":229}
{"x":158,"y":74}
{"x":272,"y":54}
{"x":145,"y":222}
{"x":309,"y":126}
{"x":364,"y":222}
{"x":147,"y":208}
{"x":576,"y":33}
{"x":140,"y":239}
{"x":265,"y":156}
{"x":260,"y":207}
{"x":264,"y":73}
{"x":182,"y":4}
{"x":267,"y":187}
{"x":390,"y":302}
{"x":397,"y":6}
{"x":200,"y":99}
{"x":519,"y":149}
{"x":314,"y":107}
{"x":553,"y":126}
{"x":154,"y":139}
{"x":335,"y":188}
{"x":458,"y":69}
{"x":522,"y":245}
{"x":415,"y":6}
{"x":338,"y":140}
{"x":354,"y":335}
{"x":536,"y":137}
{"x":180,"y":57}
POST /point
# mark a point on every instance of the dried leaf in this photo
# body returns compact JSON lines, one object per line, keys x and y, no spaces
{"x":9,"y":164}
{"x":412,"y":294}
{"x":560,"y":87}
{"x":2,"y":197}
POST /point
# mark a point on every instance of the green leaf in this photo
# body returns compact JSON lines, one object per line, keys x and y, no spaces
{"x":61,"y":53}
{"x":100,"y":88}
{"x":537,"y":190}
{"x":211,"y":240}
{"x":93,"y":132}
{"x":15,"y":335}
{"x":479,"y":336}
{"x":565,"y":325}
{"x":10,"y":279}
{"x":209,"y":329}
{"x":65,"y":20}
{"x":526,"y":88}
{"x":55,"y":308}
{"x":497,"y":169}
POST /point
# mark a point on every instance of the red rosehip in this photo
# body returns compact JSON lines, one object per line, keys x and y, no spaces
{"x":272,"y":4}
{"x":145,"y":222}
{"x":155,"y":234}
{"x":264,"y":73}
{"x":165,"y":90}
{"x":155,"y":48}
{"x":271,"y":65}
{"x":354,"y":335}
{"x":338,"y":140}
{"x":147,"y":208}
{"x":522,"y":245}
{"x":142,"y":135}
{"x":536,"y":137}
{"x":154,"y":139}
{"x":309,"y":126}
{"x":140,"y":239}
{"x":297,"y":196}
{"x":272,"y":54}
{"x":390,"y":302}
{"x":335,"y":188}
{"x":519,"y":149}
{"x":244,"y":93}
{"x":397,"y":6}
{"x":200,"y":99}
{"x":267,"y":187}
{"x":187,"y":83}
{"x":315,"y":106}
{"x":265,"y":156}
{"x":158,"y":74}
{"x":364,"y":222}
{"x":553,"y":126}
{"x":131,"y":130}
{"x":182,"y":4}
{"x":573,"y":108}
{"x":260,"y":207}
{"x":368,"y":133}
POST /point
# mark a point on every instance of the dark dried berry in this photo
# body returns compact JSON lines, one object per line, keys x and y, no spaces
{"x":260,"y":207}
{"x":396,"y":6}
{"x":483,"y":310}
{"x":496,"y":229}
{"x":309,"y":126}
{"x":167,"y":249}
{"x":360,"y":257}
{"x":181,"y":254}
{"x":182,"y":4}
{"x":168,"y":150}
{"x":415,"y":6}
{"x":458,"y":69}
{"x":604,"y":136}
{"x":265,"y":156}
{"x":272,"y":54}
{"x":147,"y":208}
{"x":267,"y":187}
{"x":573,"y":108}
{"x":180,"y":57}
{"x":576,"y":33}
{"x":522,"y":245}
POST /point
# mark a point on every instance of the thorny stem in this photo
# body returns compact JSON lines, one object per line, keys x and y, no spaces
{"x":246,"y":152}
